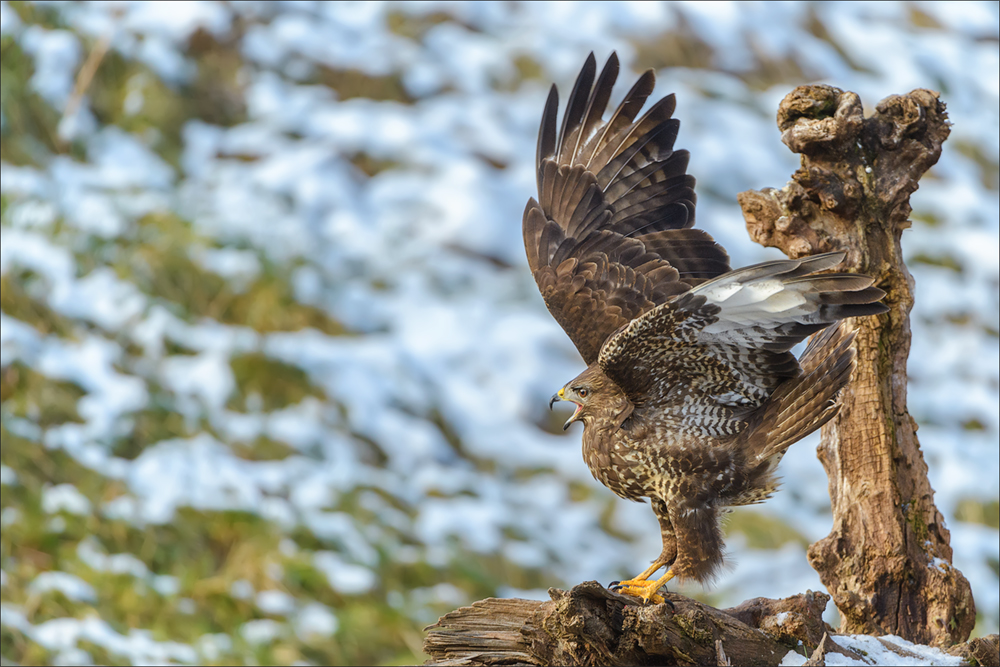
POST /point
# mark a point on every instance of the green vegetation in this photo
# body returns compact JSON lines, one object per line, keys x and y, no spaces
{"x":16,"y":300}
{"x":29,"y":127}
{"x":42,"y":400}
{"x":271,"y":384}
{"x":943,"y":261}
{"x":761,"y":530}
{"x":975,"y":511}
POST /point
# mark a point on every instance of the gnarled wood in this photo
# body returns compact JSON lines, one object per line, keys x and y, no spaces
{"x":887,"y":561}
{"x":590,"y":625}
{"x":982,"y":651}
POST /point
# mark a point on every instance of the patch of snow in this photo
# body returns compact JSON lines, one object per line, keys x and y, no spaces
{"x":69,"y":585}
{"x":261,"y":631}
{"x":879,"y":651}
{"x":277,"y":603}
{"x":8,"y":477}
{"x":315,"y":621}
{"x":213,"y":647}
{"x":56,"y":54}
{"x":65,"y":498}
{"x":63,"y":635}
{"x":91,"y":554}
{"x":343,"y":576}
{"x":165,"y":584}
{"x":793,"y":659}
{"x":241,"y":589}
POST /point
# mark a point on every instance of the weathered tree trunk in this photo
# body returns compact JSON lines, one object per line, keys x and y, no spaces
{"x":887,"y":561}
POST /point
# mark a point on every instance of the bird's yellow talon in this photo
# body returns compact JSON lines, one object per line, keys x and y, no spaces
{"x":643,"y":588}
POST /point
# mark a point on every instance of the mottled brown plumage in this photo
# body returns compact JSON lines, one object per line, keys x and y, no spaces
{"x":691,"y":395}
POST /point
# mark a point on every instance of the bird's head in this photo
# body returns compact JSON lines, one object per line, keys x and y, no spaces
{"x":583,"y":391}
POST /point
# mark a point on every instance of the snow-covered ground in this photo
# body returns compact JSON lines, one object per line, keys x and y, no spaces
{"x":451,"y":354}
{"x":887,"y":650}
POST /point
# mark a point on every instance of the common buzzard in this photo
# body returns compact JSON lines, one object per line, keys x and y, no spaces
{"x":691,"y":395}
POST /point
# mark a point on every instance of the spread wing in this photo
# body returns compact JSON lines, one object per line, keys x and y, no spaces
{"x":610,"y":236}
{"x":706,"y":361}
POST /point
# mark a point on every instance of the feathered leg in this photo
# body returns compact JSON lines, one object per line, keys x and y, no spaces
{"x":640,"y":586}
{"x":697,"y":545}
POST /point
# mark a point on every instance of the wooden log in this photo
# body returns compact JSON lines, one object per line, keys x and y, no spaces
{"x":982,"y":651}
{"x":590,"y":625}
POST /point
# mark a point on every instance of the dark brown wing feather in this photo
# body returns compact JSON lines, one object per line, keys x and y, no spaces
{"x":804,"y":404}
{"x":610,"y":236}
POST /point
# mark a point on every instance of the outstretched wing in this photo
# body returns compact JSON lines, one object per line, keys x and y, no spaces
{"x":610,"y":236}
{"x":704,"y":362}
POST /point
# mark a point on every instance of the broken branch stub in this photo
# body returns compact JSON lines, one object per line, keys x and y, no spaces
{"x":887,"y":561}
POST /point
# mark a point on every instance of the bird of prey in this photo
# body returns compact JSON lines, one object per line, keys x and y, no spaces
{"x":691,"y":394}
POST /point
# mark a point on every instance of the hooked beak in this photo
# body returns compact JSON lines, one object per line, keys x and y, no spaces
{"x":561,"y":396}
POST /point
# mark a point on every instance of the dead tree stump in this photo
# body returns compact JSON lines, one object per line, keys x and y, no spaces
{"x":887,"y":561}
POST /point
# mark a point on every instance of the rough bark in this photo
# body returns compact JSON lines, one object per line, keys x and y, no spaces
{"x":982,"y":651}
{"x":887,"y":561}
{"x":590,"y":625}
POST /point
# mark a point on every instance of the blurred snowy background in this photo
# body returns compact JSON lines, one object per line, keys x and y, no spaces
{"x":274,"y":373}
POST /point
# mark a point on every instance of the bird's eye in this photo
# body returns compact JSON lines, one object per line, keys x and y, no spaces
{"x":583,"y":392}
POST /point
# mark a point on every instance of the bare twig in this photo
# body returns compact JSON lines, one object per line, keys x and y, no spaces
{"x":86,"y":75}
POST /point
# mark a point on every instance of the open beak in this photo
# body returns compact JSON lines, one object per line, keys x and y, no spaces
{"x":561,"y":396}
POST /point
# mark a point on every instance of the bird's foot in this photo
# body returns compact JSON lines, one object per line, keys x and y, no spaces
{"x":643,"y":588}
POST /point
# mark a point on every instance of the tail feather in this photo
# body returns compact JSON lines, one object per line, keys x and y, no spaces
{"x":805,"y":403}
